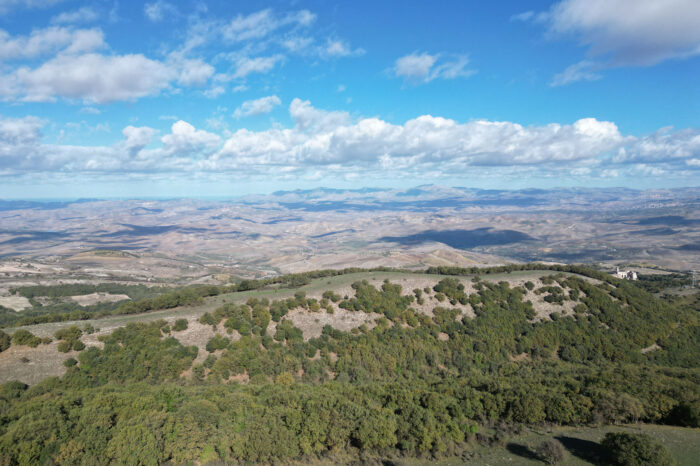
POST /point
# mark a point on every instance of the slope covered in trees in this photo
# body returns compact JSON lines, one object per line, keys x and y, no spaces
{"x":413,"y":384}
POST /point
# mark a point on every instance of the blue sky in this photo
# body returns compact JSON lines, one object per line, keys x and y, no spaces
{"x":220,"y":98}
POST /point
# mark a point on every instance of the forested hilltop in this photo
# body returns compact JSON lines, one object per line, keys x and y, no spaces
{"x":432,"y":372}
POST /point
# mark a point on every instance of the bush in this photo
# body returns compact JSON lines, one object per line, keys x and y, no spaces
{"x":70,"y":339}
{"x":64,"y":346}
{"x":217,"y":342}
{"x":551,"y":451}
{"x":24,"y":337}
{"x":5,"y":341}
{"x":686,"y":414}
{"x":636,"y":449}
{"x":180,"y":325}
{"x":70,"y":362}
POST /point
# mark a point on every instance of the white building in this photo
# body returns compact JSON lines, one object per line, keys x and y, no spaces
{"x":626,"y":274}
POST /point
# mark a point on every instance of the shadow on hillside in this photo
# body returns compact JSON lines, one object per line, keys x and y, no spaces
{"x":587,"y":450}
{"x":522,"y":450}
{"x":463,"y":239}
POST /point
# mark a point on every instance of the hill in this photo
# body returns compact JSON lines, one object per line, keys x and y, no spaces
{"x":352,"y":364}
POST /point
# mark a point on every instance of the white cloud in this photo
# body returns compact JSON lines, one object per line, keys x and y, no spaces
{"x":157,"y":11}
{"x":260,"y":24}
{"x":631,"y":32}
{"x":247,"y":65}
{"x":194,"y":72}
{"x":621,"y":33}
{"x":91,"y":78}
{"x":339,"y":48}
{"x":81,"y":15}
{"x":321,"y":138}
{"x":662,"y":146}
{"x":49,"y":40}
{"x":336,"y":144}
{"x":581,"y":71}
{"x":90,"y":110}
{"x":136,"y":138}
{"x":297,"y":43}
{"x":524,"y":16}
{"x":309,"y":118}
{"x":8,"y":5}
{"x":185,"y":140}
{"x":257,"y":106}
{"x":424,"y":67}
{"x":214,"y":92}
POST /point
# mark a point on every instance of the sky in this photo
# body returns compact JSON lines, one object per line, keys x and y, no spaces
{"x":225,"y":98}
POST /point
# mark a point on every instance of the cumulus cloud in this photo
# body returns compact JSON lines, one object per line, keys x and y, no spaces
{"x":77,"y":72}
{"x":194,"y":72}
{"x":321,"y":137}
{"x":335,"y":143}
{"x":185,"y":140}
{"x":631,"y":32}
{"x":81,"y":15}
{"x":424,"y":67}
{"x":91,"y":78}
{"x":662,"y":146}
{"x":622,"y":32}
{"x":136,"y":138}
{"x":257,"y":106}
{"x":49,"y":40}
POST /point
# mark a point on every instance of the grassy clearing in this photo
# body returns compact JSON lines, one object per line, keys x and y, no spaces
{"x":581,"y":443}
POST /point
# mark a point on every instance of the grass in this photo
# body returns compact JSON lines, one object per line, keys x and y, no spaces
{"x":582,"y":445}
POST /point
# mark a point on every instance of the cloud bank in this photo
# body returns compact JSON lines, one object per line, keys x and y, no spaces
{"x":333,"y":142}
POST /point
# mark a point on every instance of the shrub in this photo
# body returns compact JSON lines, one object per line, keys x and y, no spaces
{"x":217,"y":342}
{"x":551,"y":451}
{"x":70,"y":362}
{"x":180,"y":325}
{"x":5,"y":341}
{"x":64,"y":346}
{"x":686,"y":414}
{"x":24,"y":337}
{"x":70,"y":339}
{"x":636,"y":449}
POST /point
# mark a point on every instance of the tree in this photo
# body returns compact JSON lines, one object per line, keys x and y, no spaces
{"x":636,"y":450}
{"x":551,"y":451}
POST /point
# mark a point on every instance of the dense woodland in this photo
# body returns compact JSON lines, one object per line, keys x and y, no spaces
{"x":411,"y":385}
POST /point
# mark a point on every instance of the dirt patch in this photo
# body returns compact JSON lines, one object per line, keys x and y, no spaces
{"x":519,"y":357}
{"x":94,"y":298}
{"x":16,"y":303}
{"x":43,"y":361}
{"x":650,"y":348}
{"x":312,"y":323}
{"x":197,"y":334}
